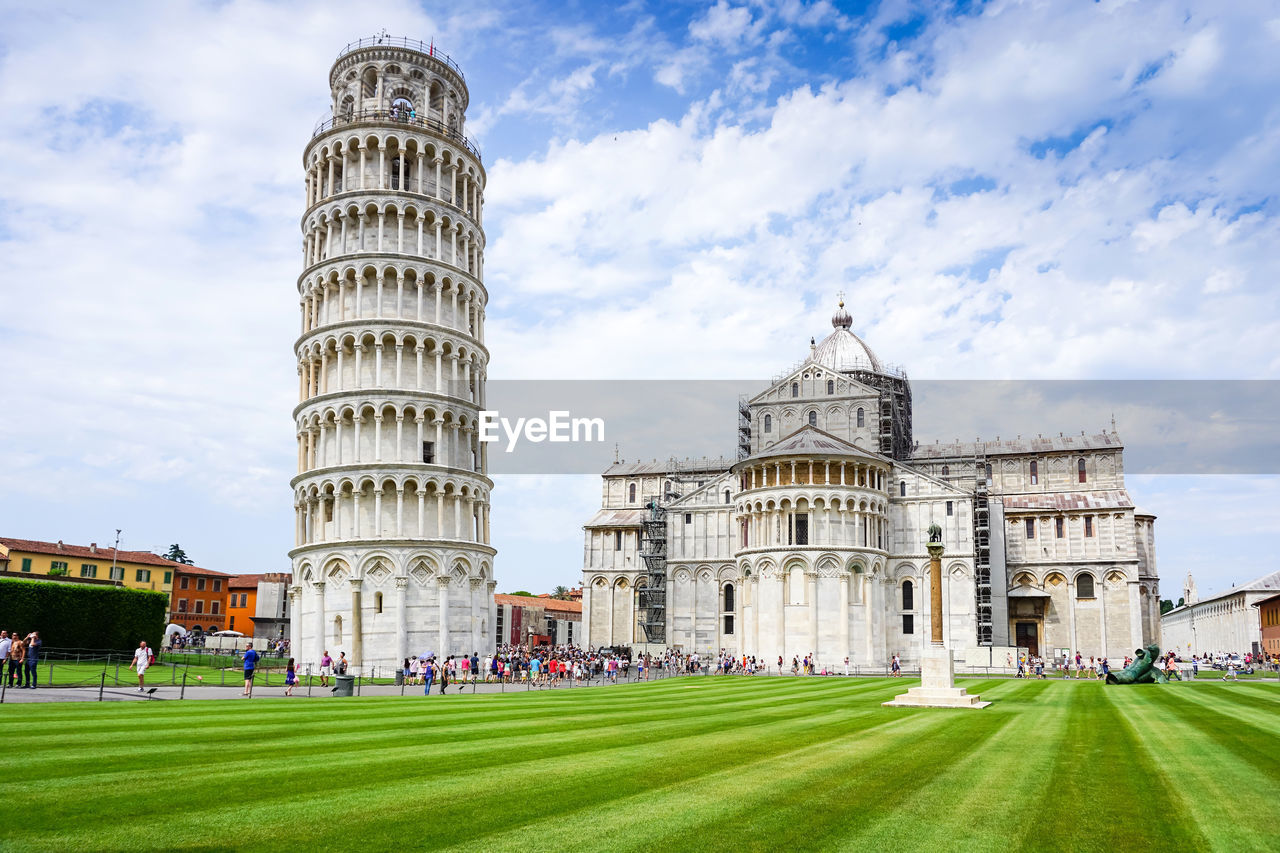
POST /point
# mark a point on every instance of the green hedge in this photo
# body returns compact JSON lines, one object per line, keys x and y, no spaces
{"x":84,"y":617}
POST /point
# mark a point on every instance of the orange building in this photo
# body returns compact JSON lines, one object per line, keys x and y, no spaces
{"x":1269,"y":616}
{"x":251,"y":616}
{"x":199,"y":600}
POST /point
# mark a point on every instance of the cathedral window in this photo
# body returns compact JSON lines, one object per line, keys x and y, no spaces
{"x":768,"y":423}
{"x":688,"y":518}
{"x":1059,"y":526}
{"x":1031,"y":528}
{"x":1088,"y":526}
{"x":908,"y":596}
{"x":950,"y":507}
{"x":631,"y":493}
{"x":902,"y":488}
{"x":1035,"y":474}
{"x":831,"y":386}
{"x":795,"y":389}
{"x":1084,"y":586}
{"x":802,"y":528}
{"x":377,"y":603}
{"x":428,"y":452}
{"x":1080,"y":470}
{"x":726,"y":496}
{"x":908,"y":623}
{"x":813,"y":419}
{"x":988,"y":475}
{"x":946,"y":470}
{"x":369,"y":83}
{"x":728,"y":624}
{"x":862,"y":417}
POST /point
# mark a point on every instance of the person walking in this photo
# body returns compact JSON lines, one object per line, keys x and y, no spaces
{"x":326,"y":668}
{"x":428,"y":675}
{"x":33,"y":658}
{"x":444,"y":678}
{"x":250,"y":664}
{"x":896,"y":665}
{"x":141,"y":661}
{"x":290,"y":678}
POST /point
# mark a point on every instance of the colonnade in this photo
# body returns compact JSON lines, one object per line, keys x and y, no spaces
{"x":449,"y":442}
{"x":383,"y":510}
{"x":384,"y":163}
{"x":356,"y":297}
{"x":812,"y":472}
{"x":356,"y":230}
{"x":326,"y":371}
{"x":846,"y":526}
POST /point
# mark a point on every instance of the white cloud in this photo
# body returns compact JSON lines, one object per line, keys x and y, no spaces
{"x":1048,"y":190}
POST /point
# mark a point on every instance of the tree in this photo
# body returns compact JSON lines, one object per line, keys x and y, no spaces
{"x":1165,"y":606}
{"x":560,"y":592}
{"x":58,"y":572}
{"x":523,"y":592}
{"x":178,"y":555}
{"x":1181,"y":602}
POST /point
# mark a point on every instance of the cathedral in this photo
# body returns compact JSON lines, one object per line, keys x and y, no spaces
{"x":811,"y":539}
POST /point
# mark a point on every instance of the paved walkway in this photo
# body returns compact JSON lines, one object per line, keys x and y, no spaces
{"x":165,"y":692}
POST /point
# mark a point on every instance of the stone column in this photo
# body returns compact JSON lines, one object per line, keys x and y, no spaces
{"x":813,"y":613}
{"x":1100,"y":590}
{"x":843,"y":649}
{"x":935,"y":593}
{"x":401,"y":620}
{"x":357,"y":624}
{"x":477,"y":611}
{"x":1071,"y":616}
{"x":442,"y":592}
{"x":491,"y":607}
{"x":320,"y":625}
{"x":585,"y":642}
{"x":1135,"y":615}
{"x":295,"y":621}
{"x":608,"y":640}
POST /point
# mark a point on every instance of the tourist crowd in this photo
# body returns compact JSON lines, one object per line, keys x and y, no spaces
{"x":19,"y":658}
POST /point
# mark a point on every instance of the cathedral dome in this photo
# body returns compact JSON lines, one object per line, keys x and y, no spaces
{"x":842,"y":350}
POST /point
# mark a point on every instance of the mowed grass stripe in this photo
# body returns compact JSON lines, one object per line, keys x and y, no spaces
{"x":487,"y":790}
{"x":1192,"y":757}
{"x":383,"y":741}
{"x":714,"y":763}
{"x":1105,"y":773}
{"x":944,"y":812}
{"x":672,"y":809}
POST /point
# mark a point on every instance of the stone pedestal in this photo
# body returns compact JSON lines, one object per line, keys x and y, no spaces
{"x":937,"y":685}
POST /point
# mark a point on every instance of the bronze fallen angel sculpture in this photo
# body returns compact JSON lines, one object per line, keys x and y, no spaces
{"x":1142,"y":670}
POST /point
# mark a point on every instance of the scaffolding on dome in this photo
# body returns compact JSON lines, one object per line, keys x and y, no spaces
{"x":895,"y":411}
{"x":744,"y":427}
{"x":653,"y":595}
{"x":982,"y":549}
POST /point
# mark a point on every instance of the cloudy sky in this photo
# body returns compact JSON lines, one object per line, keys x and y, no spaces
{"x":1011,"y":190}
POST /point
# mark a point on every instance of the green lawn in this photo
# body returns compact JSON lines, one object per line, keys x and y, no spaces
{"x":684,"y":764}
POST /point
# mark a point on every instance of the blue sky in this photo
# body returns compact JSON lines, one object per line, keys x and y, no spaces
{"x":676,"y":190}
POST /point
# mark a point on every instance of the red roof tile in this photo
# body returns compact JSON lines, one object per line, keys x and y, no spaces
{"x":543,"y":603}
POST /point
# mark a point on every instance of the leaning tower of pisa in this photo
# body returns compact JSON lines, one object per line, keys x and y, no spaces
{"x":392,"y":553}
